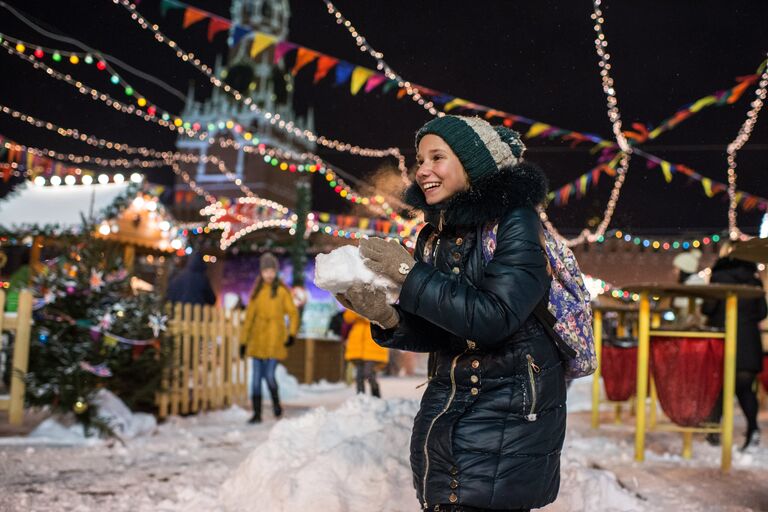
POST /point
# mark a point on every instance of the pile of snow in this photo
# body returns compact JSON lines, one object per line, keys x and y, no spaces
{"x":338,"y":270}
{"x":124,"y":423}
{"x":353,"y":458}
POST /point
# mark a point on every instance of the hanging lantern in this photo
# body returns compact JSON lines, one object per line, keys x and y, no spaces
{"x":689,"y":376}
{"x":80,"y":406}
{"x":618,"y":367}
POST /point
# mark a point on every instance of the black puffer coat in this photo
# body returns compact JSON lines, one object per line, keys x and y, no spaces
{"x":492,"y":420}
{"x":749,"y":346}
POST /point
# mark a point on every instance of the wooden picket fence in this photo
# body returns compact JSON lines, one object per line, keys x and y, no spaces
{"x":206,"y":371}
{"x":20,"y":323}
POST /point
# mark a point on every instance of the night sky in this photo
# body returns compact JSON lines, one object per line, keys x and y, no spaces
{"x":529,"y":57}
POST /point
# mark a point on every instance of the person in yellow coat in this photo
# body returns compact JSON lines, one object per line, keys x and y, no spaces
{"x":265,"y":334}
{"x":363,"y":352}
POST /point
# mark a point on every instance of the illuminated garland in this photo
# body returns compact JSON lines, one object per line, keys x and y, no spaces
{"x":274,"y":119}
{"x":75,"y":58}
{"x":745,"y":131}
{"x":339,"y":186}
{"x":652,"y":243}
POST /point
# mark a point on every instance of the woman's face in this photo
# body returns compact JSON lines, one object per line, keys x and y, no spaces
{"x":268,"y":275}
{"x":440,"y":173}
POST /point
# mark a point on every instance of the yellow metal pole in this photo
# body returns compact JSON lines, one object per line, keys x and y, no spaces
{"x":20,"y":358}
{"x":621,"y":328}
{"x":643,"y":350}
{"x":687,"y":445}
{"x":598,"y":332}
{"x":729,"y":379}
{"x":617,"y":414}
{"x":652,"y":405}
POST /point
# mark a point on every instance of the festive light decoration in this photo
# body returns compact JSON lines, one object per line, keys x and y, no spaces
{"x":743,"y":136}
{"x":412,"y":90}
{"x":274,"y":119}
{"x":341,"y":188}
{"x":655,"y":244}
{"x":103,"y":97}
{"x":75,"y":58}
{"x":84,"y":159}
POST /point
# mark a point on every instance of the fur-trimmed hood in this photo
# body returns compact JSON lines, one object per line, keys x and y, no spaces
{"x":489,"y":199}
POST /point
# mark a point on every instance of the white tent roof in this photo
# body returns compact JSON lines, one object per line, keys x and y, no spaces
{"x":34,"y":206}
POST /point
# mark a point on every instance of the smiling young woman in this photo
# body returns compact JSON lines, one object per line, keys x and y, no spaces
{"x":491,"y":425}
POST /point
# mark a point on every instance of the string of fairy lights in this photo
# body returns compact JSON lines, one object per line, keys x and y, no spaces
{"x":745,"y":131}
{"x":272,"y":118}
{"x":621,"y":161}
{"x":411,"y":90}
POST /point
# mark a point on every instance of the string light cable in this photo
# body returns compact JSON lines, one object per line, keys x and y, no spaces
{"x":106,"y":58}
{"x":745,"y":131}
{"x":376,"y":201}
{"x":614,"y":116}
{"x":274,"y":119}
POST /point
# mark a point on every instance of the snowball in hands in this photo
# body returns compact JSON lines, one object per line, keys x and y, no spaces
{"x":338,"y":270}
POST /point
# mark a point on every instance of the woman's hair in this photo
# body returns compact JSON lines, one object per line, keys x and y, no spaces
{"x":259,"y":284}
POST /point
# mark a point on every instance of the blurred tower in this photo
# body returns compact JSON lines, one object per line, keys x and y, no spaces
{"x":270,"y":86}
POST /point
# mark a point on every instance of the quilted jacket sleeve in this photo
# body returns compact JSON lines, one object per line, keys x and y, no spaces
{"x":490,"y":311}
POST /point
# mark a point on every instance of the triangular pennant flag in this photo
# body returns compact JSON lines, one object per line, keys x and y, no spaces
{"x":282,"y":48}
{"x":192,"y":16}
{"x":166,"y":5}
{"x":238,"y":34}
{"x":373,"y":82}
{"x":303,"y":57}
{"x":217,"y":25}
{"x":707,"y":184}
{"x":343,"y":72}
{"x":391,"y":84}
{"x":402,"y":92}
{"x":454,"y":103}
{"x":359,"y":76}
{"x":260,"y":43}
{"x":666,"y":168}
{"x":324,"y":65}
{"x":583,"y":184}
{"x":701,"y":103}
{"x":537,"y":129}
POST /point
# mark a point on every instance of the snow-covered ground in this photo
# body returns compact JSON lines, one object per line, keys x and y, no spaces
{"x":337,"y":452}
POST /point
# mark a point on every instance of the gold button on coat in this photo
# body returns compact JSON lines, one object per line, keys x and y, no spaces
{"x":456,"y":270}
{"x":474,"y":391}
{"x":474,"y":379}
{"x":453,"y":498}
{"x":454,"y":484}
{"x":475,"y":364}
{"x":459,"y":241}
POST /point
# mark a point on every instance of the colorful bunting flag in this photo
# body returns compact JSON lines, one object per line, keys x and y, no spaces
{"x":238,"y":34}
{"x":374,"y":81}
{"x":282,"y":48}
{"x":260,"y":43}
{"x":192,"y":16}
{"x":343,"y":72}
{"x":359,"y":76}
{"x":324,"y":65}
{"x":666,"y":168}
{"x":303,"y":57}
{"x":215,"y":26}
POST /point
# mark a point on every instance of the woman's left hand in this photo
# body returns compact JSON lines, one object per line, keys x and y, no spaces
{"x":389,"y":259}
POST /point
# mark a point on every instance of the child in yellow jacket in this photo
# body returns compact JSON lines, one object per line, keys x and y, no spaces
{"x":363,"y":352}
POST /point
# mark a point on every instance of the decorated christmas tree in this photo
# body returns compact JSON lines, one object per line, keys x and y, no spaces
{"x":92,"y":331}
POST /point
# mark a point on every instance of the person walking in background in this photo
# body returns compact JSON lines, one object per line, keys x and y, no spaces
{"x":265,"y":334}
{"x":363,"y":352}
{"x":191,"y":285}
{"x":749,"y":348}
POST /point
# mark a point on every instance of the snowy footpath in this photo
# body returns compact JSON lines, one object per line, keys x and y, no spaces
{"x":334,"y":452}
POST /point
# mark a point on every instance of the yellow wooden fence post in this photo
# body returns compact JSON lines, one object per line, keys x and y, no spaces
{"x":643,"y":350}
{"x":20,"y":358}
{"x":598,"y":332}
{"x":729,"y":380}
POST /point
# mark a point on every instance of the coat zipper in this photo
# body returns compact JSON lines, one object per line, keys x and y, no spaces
{"x":432,"y":424}
{"x":532,"y":367}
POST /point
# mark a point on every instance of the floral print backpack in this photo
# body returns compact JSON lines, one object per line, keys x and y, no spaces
{"x":568,"y":314}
